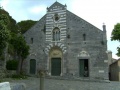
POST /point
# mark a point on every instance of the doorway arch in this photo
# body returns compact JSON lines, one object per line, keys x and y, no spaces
{"x":55,"y":61}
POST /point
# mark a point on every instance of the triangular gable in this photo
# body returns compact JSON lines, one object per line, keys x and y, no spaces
{"x":79,"y":19}
{"x":56,"y":4}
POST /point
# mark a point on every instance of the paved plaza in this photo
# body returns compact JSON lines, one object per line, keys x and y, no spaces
{"x":57,"y":84}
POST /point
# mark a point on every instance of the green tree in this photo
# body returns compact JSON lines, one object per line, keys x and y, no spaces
{"x":25,"y":25}
{"x":20,"y":48}
{"x":4,"y":32}
{"x":116,"y":36}
{"x":12,"y":25}
{"x":9,"y":35}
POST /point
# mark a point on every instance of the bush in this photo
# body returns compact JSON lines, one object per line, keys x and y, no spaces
{"x":2,"y":58}
{"x":12,"y":64}
{"x":15,"y":76}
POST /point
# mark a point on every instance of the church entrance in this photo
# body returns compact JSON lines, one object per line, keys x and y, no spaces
{"x":83,"y":68}
{"x":55,"y":61}
{"x":55,"y":66}
{"x":32,"y":66}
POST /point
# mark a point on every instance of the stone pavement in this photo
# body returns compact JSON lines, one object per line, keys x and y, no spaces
{"x":55,"y":84}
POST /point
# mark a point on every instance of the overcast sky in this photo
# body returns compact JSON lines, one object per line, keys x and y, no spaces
{"x":96,"y":12}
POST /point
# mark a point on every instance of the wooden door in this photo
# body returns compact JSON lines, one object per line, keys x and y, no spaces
{"x":81,"y":65}
{"x":32,"y":66}
{"x":55,"y":66}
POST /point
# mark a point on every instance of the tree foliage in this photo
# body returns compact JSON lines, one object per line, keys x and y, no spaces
{"x":4,"y":32}
{"x":25,"y":25}
{"x":20,"y":48}
{"x":16,"y":43}
{"x":12,"y":25}
{"x":116,"y":36}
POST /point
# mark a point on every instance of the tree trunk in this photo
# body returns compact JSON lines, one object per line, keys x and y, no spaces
{"x":19,"y":65}
{"x":5,"y":55}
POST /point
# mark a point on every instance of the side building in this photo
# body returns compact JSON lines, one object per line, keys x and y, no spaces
{"x":115,"y":70}
{"x":66,"y":46}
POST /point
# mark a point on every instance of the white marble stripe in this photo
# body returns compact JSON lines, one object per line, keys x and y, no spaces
{"x":62,"y":45}
{"x":49,"y":22}
{"x":48,"y":30}
{"x":63,"y":18}
{"x":62,"y":28}
{"x":56,"y":11}
{"x":48,"y":40}
{"x":62,"y":21}
{"x":48,"y":36}
{"x":63,"y":36}
{"x":48,"y":47}
{"x":48,"y":33}
{"x":62,"y":24}
{"x":64,"y":51}
{"x":64,"y":48}
{"x":62,"y":39}
{"x":59,"y":44}
{"x":63,"y":31}
{"x":51,"y":45}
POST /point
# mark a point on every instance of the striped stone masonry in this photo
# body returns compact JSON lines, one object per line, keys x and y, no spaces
{"x":60,"y":45}
{"x":51,"y":23}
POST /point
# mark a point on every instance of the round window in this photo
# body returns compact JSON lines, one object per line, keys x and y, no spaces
{"x":56,"y":17}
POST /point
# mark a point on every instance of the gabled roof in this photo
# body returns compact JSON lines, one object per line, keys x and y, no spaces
{"x":56,"y":4}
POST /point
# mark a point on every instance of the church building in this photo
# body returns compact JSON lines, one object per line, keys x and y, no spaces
{"x":66,"y":45}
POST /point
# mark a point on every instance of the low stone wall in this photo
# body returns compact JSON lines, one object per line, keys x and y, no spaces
{"x":5,"y":86}
{"x":6,"y":73}
{"x":9,"y":73}
{"x":18,"y":86}
{"x":12,"y":86}
{"x":2,"y":73}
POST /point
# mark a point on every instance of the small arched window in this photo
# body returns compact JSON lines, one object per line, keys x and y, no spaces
{"x":84,"y":37}
{"x":56,"y":34}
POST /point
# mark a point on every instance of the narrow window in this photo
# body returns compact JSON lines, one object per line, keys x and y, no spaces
{"x":84,"y":37}
{"x":53,"y":36}
{"x":56,"y":34}
{"x":31,"y":40}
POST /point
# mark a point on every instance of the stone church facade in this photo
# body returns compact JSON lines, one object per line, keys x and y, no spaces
{"x":66,"y":46}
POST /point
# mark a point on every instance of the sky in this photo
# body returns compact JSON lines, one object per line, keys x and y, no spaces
{"x":95,"y":12}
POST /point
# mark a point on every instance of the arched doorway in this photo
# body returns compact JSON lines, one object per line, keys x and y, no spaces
{"x":32,"y":66}
{"x":55,"y":64}
{"x":84,"y":66}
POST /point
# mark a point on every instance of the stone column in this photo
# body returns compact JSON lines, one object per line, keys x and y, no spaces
{"x":42,"y":76}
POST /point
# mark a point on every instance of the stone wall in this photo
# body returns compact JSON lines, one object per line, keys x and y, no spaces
{"x":18,"y":86}
{"x":5,"y":86}
{"x":115,"y":71}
